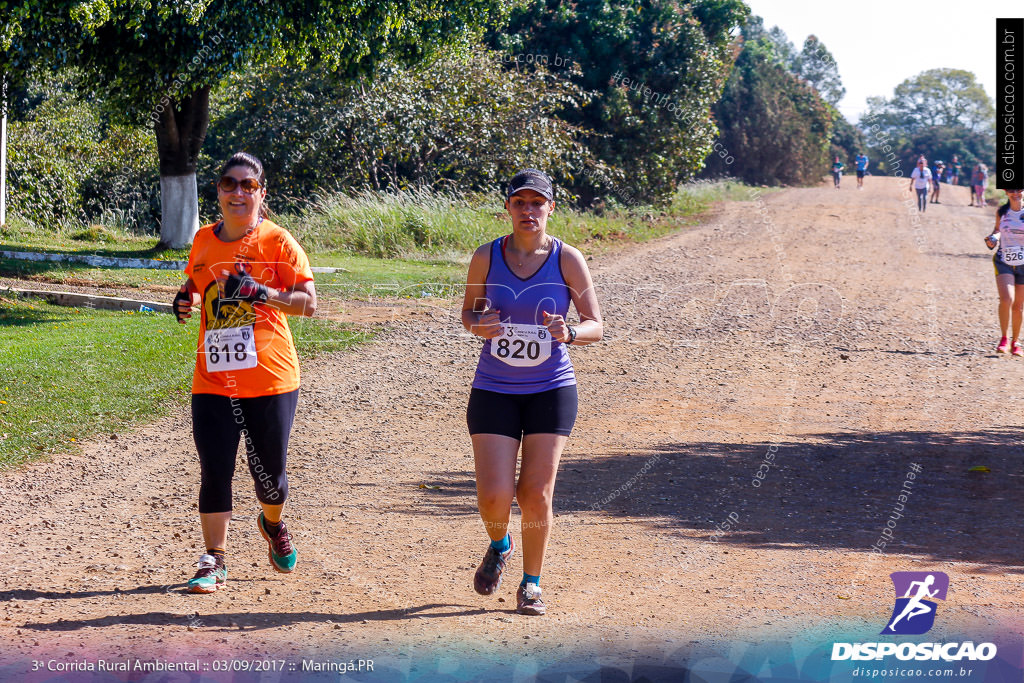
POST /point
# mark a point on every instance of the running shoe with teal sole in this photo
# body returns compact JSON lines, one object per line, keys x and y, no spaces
{"x":211,"y":576}
{"x":282,"y":554}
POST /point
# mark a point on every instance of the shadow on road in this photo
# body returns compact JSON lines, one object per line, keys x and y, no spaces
{"x":31,"y":594}
{"x":833,"y":490}
{"x":255,"y":621}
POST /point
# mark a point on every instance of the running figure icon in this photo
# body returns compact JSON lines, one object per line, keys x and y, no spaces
{"x":916,"y":607}
{"x":914,"y":613}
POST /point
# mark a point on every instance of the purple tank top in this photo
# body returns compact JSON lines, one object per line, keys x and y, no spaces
{"x":518,"y":361}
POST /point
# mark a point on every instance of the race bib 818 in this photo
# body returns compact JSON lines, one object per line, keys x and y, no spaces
{"x":230,"y":348}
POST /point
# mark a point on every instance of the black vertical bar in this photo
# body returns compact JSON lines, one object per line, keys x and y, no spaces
{"x":1009,"y":103}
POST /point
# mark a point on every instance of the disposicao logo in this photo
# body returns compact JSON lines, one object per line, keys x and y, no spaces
{"x":914,"y":614}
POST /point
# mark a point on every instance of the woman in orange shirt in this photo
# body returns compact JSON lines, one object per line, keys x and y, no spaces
{"x":246,"y":274}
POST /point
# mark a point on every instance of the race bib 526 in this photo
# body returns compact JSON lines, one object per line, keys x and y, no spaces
{"x":1012,"y":256}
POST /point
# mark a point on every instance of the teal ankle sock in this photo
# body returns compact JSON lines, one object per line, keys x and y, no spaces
{"x":503,"y":545}
{"x":530,"y":578}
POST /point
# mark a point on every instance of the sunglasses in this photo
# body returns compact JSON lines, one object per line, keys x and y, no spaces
{"x":228,"y":184}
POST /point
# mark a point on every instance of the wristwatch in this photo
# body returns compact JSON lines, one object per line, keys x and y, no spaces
{"x":572,"y":334}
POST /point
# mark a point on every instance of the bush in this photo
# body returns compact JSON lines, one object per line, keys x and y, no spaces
{"x":123,"y":189}
{"x":68,"y":166}
{"x":396,"y":224}
{"x":456,"y":124}
{"x":49,"y":157}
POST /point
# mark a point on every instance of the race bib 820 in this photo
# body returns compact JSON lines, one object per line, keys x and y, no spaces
{"x":522,"y":345}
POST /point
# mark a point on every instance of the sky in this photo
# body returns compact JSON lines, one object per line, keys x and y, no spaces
{"x":878,"y":44}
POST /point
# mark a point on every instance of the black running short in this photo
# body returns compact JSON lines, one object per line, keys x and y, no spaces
{"x":860,"y":174}
{"x":1002,"y":269}
{"x":515,"y":415}
{"x":264,"y":422}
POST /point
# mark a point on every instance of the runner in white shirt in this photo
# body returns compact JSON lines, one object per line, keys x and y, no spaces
{"x":1009,"y":264}
{"x":919,"y":180}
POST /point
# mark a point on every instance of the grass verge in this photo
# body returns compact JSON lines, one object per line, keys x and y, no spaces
{"x":71,"y":373}
{"x":383,"y":241}
{"x":437,"y":227}
{"x":362,"y":276}
{"x":101,"y":240}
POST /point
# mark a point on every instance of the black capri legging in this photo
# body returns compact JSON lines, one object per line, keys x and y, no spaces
{"x":265,"y":422}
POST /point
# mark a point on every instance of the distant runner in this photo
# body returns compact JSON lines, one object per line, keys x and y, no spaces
{"x":936,"y":180}
{"x":524,"y":393}
{"x":1008,"y":260}
{"x":837,"y":172}
{"x":979,"y":180}
{"x":861,"y":161}
{"x":247,"y":274}
{"x":954,"y":170}
{"x":919,"y":180}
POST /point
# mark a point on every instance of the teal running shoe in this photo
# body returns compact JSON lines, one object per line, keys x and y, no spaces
{"x":211,"y":576}
{"x":282,"y":554}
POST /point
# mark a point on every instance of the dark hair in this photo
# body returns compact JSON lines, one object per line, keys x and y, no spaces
{"x":1003,"y":209}
{"x":247,"y":160}
{"x":253,"y":164}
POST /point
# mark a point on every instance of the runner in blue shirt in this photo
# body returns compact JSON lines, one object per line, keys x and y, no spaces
{"x":518,"y":293}
{"x":861,"y":161}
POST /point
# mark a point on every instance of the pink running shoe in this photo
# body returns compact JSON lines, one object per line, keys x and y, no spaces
{"x":1004,"y":345}
{"x":1016,"y":350}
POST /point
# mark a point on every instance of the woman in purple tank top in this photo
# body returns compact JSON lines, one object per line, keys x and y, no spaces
{"x":524,"y":393}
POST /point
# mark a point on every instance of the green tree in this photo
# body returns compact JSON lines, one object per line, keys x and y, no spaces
{"x":775,"y":127}
{"x":653,"y":129}
{"x":32,"y":33}
{"x":938,"y":97}
{"x":816,"y":65}
{"x":783,"y":47}
{"x":26,"y":39}
{"x":847,"y":139}
{"x":937,"y":113}
{"x":754,"y":30}
{"x":68,"y":163}
{"x":160,"y":61}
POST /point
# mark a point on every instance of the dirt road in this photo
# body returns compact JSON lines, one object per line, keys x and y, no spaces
{"x":768,"y":383}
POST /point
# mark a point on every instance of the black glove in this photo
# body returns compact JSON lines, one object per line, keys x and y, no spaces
{"x":182,"y":297}
{"x":240,"y":286}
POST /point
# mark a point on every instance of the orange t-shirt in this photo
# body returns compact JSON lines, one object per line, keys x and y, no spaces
{"x":272,"y":256}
